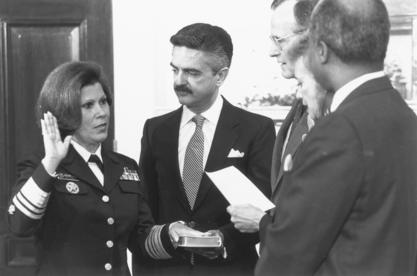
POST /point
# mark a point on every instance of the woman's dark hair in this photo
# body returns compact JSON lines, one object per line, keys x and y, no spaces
{"x":61,"y":93}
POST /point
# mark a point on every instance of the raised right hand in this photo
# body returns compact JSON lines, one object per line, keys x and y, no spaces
{"x":55,"y":148}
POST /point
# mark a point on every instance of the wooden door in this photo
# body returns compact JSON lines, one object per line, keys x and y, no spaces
{"x":35,"y":37}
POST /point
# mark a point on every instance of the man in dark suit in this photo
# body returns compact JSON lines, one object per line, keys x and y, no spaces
{"x":289,"y":21}
{"x":213,"y":134}
{"x":347,"y":203}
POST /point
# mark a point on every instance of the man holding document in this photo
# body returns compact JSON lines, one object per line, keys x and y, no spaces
{"x":289,"y":23}
{"x":347,"y":204}
{"x":206,"y":133}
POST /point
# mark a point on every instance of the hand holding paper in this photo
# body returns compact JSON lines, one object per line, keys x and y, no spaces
{"x":245,"y":217}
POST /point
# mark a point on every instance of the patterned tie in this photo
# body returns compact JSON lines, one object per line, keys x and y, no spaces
{"x":94,"y":159}
{"x":193,"y":161}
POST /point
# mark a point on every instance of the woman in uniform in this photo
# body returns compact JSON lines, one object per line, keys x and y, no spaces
{"x":83,"y":202}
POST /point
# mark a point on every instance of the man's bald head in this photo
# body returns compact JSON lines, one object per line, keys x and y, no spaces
{"x":355,"y":30}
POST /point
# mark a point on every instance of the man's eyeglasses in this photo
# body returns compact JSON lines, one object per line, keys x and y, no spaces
{"x":279,"y":39}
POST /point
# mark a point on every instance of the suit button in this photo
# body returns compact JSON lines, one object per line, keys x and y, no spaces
{"x":110,"y":220}
{"x":192,"y":224}
{"x":107,"y":266}
{"x":105,"y":198}
{"x":109,"y":243}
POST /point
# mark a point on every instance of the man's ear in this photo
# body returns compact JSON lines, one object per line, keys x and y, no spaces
{"x":221,"y":75}
{"x":323,"y":51}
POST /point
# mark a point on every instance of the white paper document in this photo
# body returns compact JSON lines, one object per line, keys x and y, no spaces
{"x":238,"y":189}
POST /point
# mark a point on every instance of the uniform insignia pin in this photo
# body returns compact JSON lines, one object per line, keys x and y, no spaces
{"x":11,"y":210}
{"x":72,"y":188}
{"x":129,"y":174}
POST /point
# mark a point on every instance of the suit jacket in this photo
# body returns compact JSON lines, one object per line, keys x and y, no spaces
{"x":237,"y":129}
{"x":291,"y":120}
{"x":348,"y":206}
{"x":86,"y":227}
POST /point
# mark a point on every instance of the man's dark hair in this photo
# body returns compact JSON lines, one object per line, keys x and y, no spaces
{"x":357,"y":32}
{"x":207,"y":38}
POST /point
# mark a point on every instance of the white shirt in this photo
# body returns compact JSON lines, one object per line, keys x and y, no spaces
{"x":187,"y":128}
{"x":85,"y":154}
{"x":343,"y":92}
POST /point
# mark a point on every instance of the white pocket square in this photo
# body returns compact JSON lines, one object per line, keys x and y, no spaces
{"x":235,"y":154}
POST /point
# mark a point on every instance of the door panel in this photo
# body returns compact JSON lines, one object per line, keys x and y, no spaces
{"x":36,"y":36}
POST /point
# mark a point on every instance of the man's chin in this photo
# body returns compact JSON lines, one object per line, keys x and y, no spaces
{"x":286,"y":73}
{"x":184,"y":99}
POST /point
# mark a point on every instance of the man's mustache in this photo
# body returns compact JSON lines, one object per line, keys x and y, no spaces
{"x":182,"y":88}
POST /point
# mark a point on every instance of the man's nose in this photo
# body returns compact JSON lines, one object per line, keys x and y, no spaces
{"x":274,"y":50}
{"x":180,"y":78}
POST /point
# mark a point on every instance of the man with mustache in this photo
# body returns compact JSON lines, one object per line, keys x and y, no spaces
{"x":206,"y":133}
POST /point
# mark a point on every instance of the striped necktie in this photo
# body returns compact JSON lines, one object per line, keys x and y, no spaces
{"x":193,"y":161}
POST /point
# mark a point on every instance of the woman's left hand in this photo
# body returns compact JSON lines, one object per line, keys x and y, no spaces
{"x":55,"y":148}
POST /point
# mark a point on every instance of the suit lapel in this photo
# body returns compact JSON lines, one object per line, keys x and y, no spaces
{"x":223,"y":140}
{"x":112,"y":170}
{"x":292,"y":146}
{"x":74,"y":164}
{"x":168,"y":133}
{"x":280,"y":140}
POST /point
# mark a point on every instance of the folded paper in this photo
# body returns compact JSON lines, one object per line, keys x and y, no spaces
{"x":238,"y":189}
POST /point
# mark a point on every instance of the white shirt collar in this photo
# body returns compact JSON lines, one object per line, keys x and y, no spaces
{"x":343,"y":92}
{"x":211,"y":115}
{"x":85,"y":154}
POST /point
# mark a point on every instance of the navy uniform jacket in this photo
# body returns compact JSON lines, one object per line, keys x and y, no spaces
{"x":348,"y":206}
{"x":83,"y":228}
{"x":237,"y":129}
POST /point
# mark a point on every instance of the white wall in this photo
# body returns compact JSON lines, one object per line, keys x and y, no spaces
{"x":142,"y":52}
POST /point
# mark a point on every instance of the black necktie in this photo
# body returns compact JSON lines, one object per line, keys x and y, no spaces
{"x":94,"y":159}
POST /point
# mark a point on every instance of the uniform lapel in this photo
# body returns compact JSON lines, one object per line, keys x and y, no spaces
{"x":75,"y":164}
{"x":223,"y":140}
{"x":112,"y":170}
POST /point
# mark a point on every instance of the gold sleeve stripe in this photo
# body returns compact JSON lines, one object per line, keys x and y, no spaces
{"x":31,"y":200}
{"x":25,"y":211}
{"x":34,"y":194}
{"x":153,"y":244}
